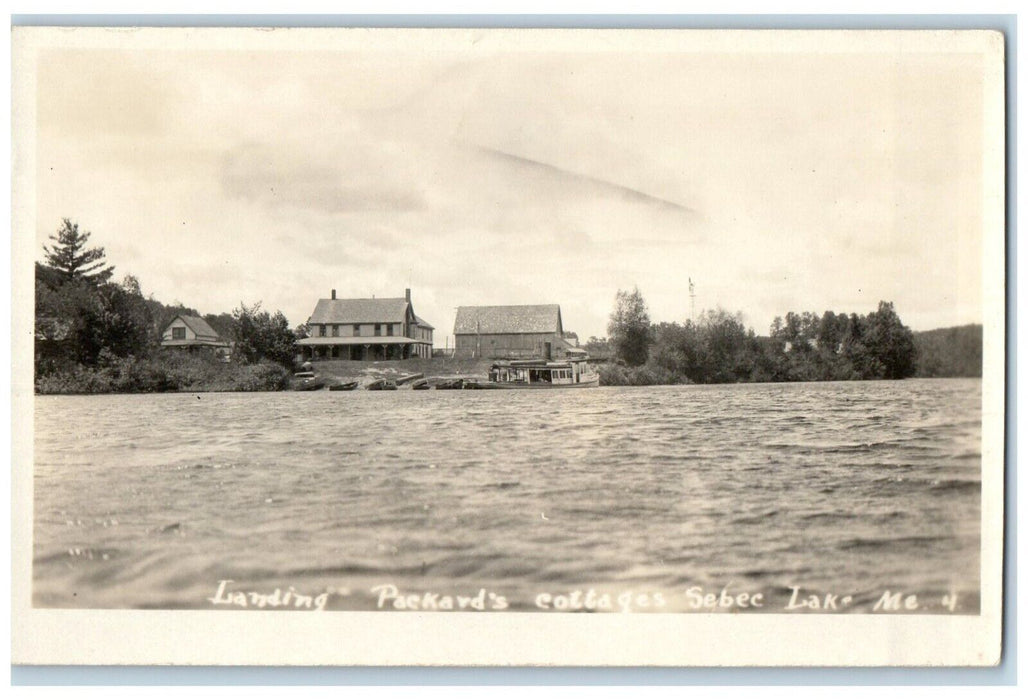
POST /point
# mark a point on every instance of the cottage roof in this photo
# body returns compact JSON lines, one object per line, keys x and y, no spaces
{"x":360,"y":311}
{"x":423,"y":323}
{"x":196,"y":324}
{"x":539,"y":318}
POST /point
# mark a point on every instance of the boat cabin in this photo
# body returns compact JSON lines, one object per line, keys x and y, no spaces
{"x":540,"y":372}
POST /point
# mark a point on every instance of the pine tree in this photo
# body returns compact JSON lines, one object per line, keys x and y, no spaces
{"x":70,"y":257}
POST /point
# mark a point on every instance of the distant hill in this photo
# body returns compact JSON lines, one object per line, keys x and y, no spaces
{"x":949,"y":352}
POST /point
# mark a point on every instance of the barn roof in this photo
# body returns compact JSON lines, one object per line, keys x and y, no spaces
{"x":196,"y":324}
{"x":360,"y":311}
{"x":539,"y":318}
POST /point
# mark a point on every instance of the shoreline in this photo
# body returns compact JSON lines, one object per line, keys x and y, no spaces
{"x":370,"y":374}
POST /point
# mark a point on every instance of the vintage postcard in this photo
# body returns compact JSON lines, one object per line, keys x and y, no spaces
{"x":508,"y":347}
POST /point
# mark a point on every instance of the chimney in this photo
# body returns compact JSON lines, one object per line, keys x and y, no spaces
{"x":333,"y":294}
{"x":407,"y":294}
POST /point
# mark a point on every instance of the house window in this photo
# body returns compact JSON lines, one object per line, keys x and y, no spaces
{"x":335,"y":330}
{"x":356,"y":329}
{"x":178,"y":333}
{"x":321,"y":330}
{"x":378,"y":329}
{"x":389,"y":329}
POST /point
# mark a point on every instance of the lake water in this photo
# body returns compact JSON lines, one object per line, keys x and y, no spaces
{"x":512,"y":500}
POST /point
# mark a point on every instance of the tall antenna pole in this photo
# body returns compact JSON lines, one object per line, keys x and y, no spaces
{"x":692,"y":301}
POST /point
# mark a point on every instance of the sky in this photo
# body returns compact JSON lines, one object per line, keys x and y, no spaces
{"x":776,"y":181}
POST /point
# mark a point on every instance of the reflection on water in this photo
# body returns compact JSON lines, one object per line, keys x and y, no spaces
{"x":848,"y":488}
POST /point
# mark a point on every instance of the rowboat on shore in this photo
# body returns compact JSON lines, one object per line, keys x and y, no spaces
{"x":381,"y":385}
{"x":345,"y":386}
{"x":449,"y":384}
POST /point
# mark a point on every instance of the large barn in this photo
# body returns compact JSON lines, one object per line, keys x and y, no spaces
{"x":510,"y":332}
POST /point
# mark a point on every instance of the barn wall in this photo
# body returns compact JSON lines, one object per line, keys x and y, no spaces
{"x":505,"y":344}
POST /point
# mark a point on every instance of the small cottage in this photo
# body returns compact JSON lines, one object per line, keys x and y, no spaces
{"x":194,"y":334}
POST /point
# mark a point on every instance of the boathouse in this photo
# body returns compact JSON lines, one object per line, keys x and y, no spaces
{"x":510,"y":332}
{"x":366,"y":329}
{"x":194,"y":334}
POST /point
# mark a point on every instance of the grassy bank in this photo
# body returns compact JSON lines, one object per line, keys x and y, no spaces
{"x":166,"y":372}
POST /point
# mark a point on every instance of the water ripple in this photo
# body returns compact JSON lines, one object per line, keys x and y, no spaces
{"x":859,"y":485}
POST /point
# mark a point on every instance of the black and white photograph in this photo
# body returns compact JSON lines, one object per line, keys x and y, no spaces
{"x":417,"y":346}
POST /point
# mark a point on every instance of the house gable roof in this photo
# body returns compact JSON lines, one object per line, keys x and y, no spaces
{"x":539,"y":318}
{"x":201,"y":328}
{"x":360,"y":311}
{"x":423,"y":323}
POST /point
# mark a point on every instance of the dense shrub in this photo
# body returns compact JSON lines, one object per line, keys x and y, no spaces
{"x":620,"y":375}
{"x":167,"y":371}
{"x":949,"y":352}
{"x":719,"y":349}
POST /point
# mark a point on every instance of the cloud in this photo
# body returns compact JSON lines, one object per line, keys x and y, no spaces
{"x":598,"y":186}
{"x":523,"y":177}
{"x":361,"y":178}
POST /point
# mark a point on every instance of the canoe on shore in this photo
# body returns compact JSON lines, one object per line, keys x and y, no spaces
{"x":475,"y":384}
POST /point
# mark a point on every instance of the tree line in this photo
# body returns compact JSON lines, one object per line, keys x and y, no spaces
{"x":96,"y":335}
{"x":718,"y":348}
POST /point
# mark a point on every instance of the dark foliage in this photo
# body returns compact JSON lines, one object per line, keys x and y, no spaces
{"x":262,"y":336}
{"x":718,"y":349}
{"x":94,"y":336}
{"x":629,"y":328}
{"x":949,"y":352}
{"x":223,"y":324}
{"x":78,"y":320}
{"x":169,"y":370}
